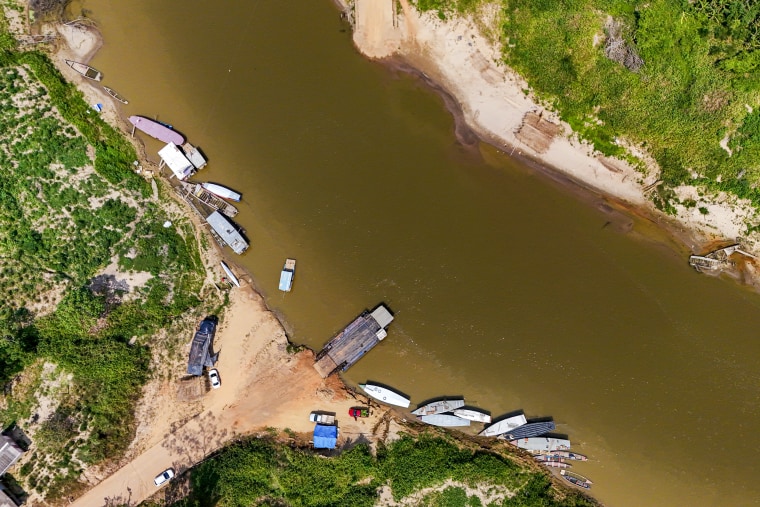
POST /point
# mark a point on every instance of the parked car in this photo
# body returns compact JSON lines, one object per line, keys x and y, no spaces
{"x":322,"y":418}
{"x":164,"y":477}
{"x":213,"y":376}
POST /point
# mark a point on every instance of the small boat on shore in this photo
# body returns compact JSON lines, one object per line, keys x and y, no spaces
{"x":112,"y":93}
{"x":472,"y":414}
{"x":542,"y":445}
{"x":439,"y":407}
{"x":156,"y":130}
{"x":85,"y":70}
{"x":230,"y":274}
{"x":504,"y":425}
{"x":385,"y":394}
{"x":556,"y":464}
{"x":222,"y":191}
{"x":287,"y":274}
{"x":576,"y":479}
{"x":561,"y":455}
{"x":444,"y":420}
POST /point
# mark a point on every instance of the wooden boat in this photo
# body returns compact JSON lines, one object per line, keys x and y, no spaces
{"x":112,"y":93}
{"x":230,"y":274}
{"x":85,"y":70}
{"x":575,"y":456}
{"x":287,"y":274}
{"x":439,"y":407}
{"x":504,"y":425}
{"x":472,"y":414}
{"x":556,"y":464}
{"x":545,"y":444}
{"x":531,"y":429}
{"x":576,"y":479}
{"x":156,"y":130}
{"x":221,"y":191}
{"x":386,"y":395}
{"x":444,"y":420}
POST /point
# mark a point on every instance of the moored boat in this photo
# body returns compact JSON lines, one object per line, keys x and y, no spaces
{"x":439,"y":407}
{"x":222,"y":191}
{"x":115,"y":95}
{"x":444,"y":420}
{"x":85,"y":70}
{"x":556,"y":464}
{"x":544,"y":444}
{"x":230,"y":274}
{"x":504,"y":425}
{"x":531,"y":429}
{"x":472,"y":414}
{"x":385,"y":394}
{"x":156,"y":130}
{"x":287,"y":274}
{"x":576,"y":479}
{"x":227,"y":232}
{"x":561,"y":455}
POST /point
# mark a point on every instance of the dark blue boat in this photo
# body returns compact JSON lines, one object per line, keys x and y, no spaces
{"x":532,"y":429}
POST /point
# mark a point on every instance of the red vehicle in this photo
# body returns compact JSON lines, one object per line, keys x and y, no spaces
{"x":356,"y":412}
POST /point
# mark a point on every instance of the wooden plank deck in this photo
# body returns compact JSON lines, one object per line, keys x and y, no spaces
{"x":349,"y":345}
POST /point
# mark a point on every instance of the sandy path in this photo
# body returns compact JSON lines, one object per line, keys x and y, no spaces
{"x":262,"y":386}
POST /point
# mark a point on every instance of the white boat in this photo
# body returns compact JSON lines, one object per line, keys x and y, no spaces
{"x":287,"y":274}
{"x":230,"y":274}
{"x":504,"y":426}
{"x":472,"y":415}
{"x":542,"y":444}
{"x":221,"y":191}
{"x":385,"y":395}
{"x":439,"y":407}
{"x":556,"y":464}
{"x":85,"y":70}
{"x":445,"y":420}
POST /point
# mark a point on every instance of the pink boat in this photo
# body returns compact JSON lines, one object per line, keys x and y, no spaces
{"x":156,"y":130}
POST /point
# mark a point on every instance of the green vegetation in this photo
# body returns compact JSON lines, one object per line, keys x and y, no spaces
{"x":259,"y":471}
{"x":680,"y":76}
{"x":70,"y":204}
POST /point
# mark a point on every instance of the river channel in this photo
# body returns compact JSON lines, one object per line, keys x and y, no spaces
{"x":507,"y":287}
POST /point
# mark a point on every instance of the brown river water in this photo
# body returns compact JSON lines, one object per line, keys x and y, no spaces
{"x":507,"y":288}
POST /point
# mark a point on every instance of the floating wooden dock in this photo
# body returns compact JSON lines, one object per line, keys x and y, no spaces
{"x":348,"y":346}
{"x":197,"y":192}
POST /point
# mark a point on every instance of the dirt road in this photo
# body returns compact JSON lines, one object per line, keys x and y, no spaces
{"x":262,"y":386}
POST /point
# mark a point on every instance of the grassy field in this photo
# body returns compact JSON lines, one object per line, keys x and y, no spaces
{"x":71,"y":204}
{"x":697,"y":84}
{"x":261,"y":471}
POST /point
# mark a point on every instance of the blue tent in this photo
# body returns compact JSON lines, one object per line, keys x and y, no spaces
{"x":325,"y":437}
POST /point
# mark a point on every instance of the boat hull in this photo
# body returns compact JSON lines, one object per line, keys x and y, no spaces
{"x":230,"y":274}
{"x":222,"y":191}
{"x":155,"y":130}
{"x":444,"y":420}
{"x":504,"y":426}
{"x":385,"y":395}
{"x":439,"y":407}
{"x":472,"y":415}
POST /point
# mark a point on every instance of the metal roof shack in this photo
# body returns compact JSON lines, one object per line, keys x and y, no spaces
{"x":348,"y":346}
{"x":6,"y":500}
{"x":10,"y":453}
{"x":200,"y":348}
{"x":176,"y":160}
{"x":227,"y":231}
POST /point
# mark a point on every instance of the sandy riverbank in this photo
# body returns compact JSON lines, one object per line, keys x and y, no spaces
{"x":458,"y":55}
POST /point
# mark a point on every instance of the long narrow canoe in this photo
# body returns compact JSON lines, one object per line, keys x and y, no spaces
{"x":85,"y":70}
{"x":576,"y":479}
{"x":439,"y":407}
{"x":472,"y":414}
{"x":115,"y":95}
{"x":156,"y":130}
{"x":445,"y":420}
{"x":385,"y":395}
{"x":230,"y":274}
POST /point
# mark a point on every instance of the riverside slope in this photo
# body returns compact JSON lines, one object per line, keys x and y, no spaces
{"x":455,"y":54}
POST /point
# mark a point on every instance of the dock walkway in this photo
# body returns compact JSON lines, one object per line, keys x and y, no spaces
{"x":348,"y":346}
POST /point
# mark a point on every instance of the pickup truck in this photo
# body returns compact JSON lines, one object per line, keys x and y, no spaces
{"x":322,"y":418}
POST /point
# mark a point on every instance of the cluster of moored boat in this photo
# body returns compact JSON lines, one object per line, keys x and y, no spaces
{"x":533,"y":436}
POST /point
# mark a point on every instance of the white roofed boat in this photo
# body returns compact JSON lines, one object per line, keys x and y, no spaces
{"x":472,"y":415}
{"x":227,"y":232}
{"x":230,"y":274}
{"x":439,"y":407}
{"x":504,"y":426}
{"x":445,"y":420}
{"x":287,"y":274}
{"x":385,"y":395}
{"x":173,"y":157}
{"x":221,"y":191}
{"x":542,"y":444}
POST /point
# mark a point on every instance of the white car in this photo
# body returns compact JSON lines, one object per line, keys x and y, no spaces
{"x":213,"y":376}
{"x":164,"y":477}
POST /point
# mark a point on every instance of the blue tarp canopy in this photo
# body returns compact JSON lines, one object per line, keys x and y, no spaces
{"x":325,"y":437}
{"x":286,"y":280}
